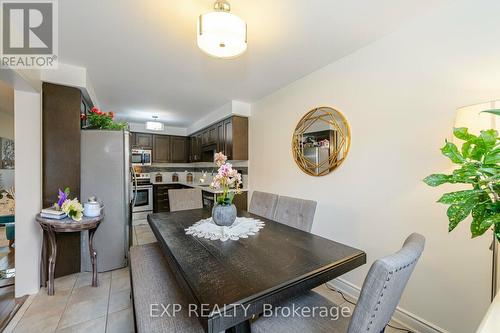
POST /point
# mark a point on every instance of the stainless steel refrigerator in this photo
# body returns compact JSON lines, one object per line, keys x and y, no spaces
{"x":318,"y":156}
{"x":105,"y":174}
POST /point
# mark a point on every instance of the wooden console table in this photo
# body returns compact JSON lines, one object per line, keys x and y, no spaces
{"x":51,"y":227}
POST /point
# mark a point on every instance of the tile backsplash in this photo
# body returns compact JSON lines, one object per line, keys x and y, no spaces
{"x":202,"y":172}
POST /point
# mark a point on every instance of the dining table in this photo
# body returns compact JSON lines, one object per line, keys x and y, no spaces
{"x":231,"y":282}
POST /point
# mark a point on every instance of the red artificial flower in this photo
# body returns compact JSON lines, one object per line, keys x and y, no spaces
{"x":111,"y":114}
{"x":83,"y":116}
{"x":95,"y":110}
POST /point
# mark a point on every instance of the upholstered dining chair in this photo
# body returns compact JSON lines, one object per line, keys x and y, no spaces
{"x":263,"y":204}
{"x":297,"y":213}
{"x":380,"y":294}
{"x":184,"y":199}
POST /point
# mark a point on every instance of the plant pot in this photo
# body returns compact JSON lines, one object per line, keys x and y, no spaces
{"x":224,"y":215}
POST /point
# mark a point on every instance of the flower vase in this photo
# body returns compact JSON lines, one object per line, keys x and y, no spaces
{"x":224,"y":215}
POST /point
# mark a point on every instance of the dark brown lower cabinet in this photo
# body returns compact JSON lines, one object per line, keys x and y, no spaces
{"x":160,"y":197}
{"x":240,"y":201}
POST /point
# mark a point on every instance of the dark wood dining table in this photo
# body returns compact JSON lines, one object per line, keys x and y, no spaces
{"x":234,"y":280}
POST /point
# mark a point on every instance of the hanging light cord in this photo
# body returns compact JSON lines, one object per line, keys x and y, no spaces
{"x":353,"y":303}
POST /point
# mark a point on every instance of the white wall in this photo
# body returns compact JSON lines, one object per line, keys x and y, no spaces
{"x":28,"y":179}
{"x":399,"y":95}
{"x":231,"y":108}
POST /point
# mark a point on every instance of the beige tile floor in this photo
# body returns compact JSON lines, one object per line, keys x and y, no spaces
{"x":78,"y":307}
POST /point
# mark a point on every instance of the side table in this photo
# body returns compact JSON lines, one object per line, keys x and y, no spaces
{"x":51,"y":227}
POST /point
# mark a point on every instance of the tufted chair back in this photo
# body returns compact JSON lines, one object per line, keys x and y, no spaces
{"x":297,"y":213}
{"x":263,"y":204}
{"x":383,"y":287}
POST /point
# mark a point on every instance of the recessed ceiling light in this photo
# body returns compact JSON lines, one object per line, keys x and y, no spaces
{"x":220,"y":33}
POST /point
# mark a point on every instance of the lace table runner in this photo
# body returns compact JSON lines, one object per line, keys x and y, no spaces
{"x":241,"y":228}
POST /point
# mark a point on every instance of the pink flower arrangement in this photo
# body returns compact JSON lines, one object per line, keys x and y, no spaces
{"x":227,"y":179}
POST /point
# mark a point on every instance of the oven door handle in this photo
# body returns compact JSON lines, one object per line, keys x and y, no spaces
{"x":134,"y":196}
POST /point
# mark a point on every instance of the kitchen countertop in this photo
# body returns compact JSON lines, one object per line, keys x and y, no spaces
{"x":202,"y":186}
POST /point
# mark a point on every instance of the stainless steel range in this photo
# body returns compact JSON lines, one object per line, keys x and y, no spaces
{"x":143,"y":197}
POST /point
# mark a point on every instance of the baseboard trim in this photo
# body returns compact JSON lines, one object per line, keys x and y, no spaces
{"x":401,"y":316}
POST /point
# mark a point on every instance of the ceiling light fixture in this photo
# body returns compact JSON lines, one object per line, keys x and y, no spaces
{"x":154,"y":125}
{"x":220,"y":33}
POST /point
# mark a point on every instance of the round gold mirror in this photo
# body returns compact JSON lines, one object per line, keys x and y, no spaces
{"x":321,"y":141}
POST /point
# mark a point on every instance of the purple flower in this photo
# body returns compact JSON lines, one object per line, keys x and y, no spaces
{"x":61,"y":198}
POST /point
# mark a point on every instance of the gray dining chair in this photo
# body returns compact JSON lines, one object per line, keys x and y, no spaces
{"x":297,"y":213}
{"x":380,"y":294}
{"x":184,"y":199}
{"x":263,"y":204}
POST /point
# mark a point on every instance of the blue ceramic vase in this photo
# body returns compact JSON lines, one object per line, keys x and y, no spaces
{"x":224,"y":215}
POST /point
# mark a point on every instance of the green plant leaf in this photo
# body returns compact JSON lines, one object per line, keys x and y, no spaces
{"x":489,"y":138}
{"x":450,"y":150}
{"x":492,"y":157}
{"x":458,"y":212}
{"x":467,"y":149}
{"x":492,"y":111}
{"x":437,"y":179}
{"x":466,"y":174}
{"x":479,"y":212}
{"x":497,"y":231}
{"x":462,"y":133}
{"x":459,"y":196}
{"x":478,"y":151}
{"x":489,"y":221}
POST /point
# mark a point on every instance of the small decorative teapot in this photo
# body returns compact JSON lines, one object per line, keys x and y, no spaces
{"x":92,"y":208}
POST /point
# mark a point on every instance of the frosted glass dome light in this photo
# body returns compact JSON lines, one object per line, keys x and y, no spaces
{"x":222,"y":34}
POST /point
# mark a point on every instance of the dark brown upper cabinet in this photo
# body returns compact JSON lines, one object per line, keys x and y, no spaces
{"x":142,"y":140}
{"x":161,"y":149}
{"x":235,"y":143}
{"x":230,"y":136}
{"x":220,"y":136}
{"x":179,"y":149}
{"x":209,"y":136}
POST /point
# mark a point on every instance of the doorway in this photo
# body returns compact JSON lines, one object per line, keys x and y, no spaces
{"x":8,"y":303}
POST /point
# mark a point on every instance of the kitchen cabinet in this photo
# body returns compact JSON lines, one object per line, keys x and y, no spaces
{"x":179,"y":149}
{"x":160,"y":197}
{"x":241,"y":201}
{"x":161,"y":149}
{"x":197,"y":142}
{"x":142,"y":141}
{"x":229,"y":136}
{"x":209,"y":136}
{"x":220,"y":136}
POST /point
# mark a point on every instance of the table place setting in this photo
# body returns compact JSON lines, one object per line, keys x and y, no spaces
{"x":241,"y":228}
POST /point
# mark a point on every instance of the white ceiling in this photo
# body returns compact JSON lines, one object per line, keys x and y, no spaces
{"x":143,"y":60}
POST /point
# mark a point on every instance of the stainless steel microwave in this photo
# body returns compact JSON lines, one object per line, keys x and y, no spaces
{"x":141,"y":157}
